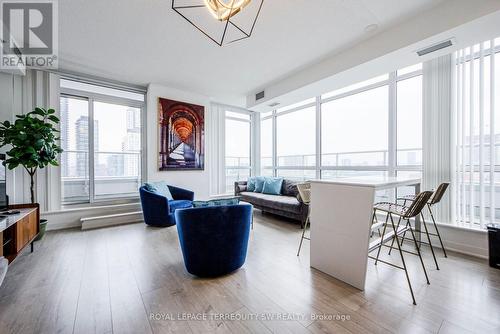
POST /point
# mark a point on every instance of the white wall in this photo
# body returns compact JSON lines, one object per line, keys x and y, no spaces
{"x":197,"y":181}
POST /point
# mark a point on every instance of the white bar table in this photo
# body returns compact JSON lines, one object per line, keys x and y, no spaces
{"x":341,"y":213}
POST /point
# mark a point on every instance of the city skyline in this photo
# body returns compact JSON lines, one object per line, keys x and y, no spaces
{"x":113,"y":160}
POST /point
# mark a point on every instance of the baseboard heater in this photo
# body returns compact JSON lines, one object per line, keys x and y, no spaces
{"x":111,"y":220}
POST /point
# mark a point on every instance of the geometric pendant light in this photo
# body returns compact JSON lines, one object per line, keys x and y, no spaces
{"x":223,"y":21}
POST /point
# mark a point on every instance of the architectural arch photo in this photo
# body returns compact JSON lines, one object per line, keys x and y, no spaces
{"x":181,"y":135}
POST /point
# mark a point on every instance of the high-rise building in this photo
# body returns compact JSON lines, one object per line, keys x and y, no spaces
{"x":82,"y":144}
{"x":132,"y":143}
{"x":115,"y":165}
{"x":65,"y":167}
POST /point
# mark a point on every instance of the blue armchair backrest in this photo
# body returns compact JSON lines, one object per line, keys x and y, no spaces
{"x":154,"y":207}
{"x":214,"y":240}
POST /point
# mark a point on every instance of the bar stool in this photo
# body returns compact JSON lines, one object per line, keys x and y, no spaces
{"x":404,"y":213}
{"x":305,"y":194}
{"x":435,"y":199}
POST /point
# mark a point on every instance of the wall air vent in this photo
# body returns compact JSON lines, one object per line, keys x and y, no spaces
{"x":435,"y":47}
{"x":259,"y":96}
{"x":274,"y":104}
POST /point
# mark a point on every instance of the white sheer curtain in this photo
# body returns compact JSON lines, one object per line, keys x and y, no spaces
{"x":436,"y":129}
{"x":216,"y":149}
{"x":477,"y":129}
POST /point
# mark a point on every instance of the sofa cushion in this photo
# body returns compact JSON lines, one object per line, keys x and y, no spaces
{"x":272,"y":186}
{"x":289,"y":188}
{"x":251,"y":183}
{"x":179,"y":204}
{"x":161,"y":188}
{"x":284,"y":203}
{"x":259,"y":184}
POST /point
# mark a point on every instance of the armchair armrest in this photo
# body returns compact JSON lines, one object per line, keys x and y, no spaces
{"x":239,"y":187}
{"x":179,"y":193}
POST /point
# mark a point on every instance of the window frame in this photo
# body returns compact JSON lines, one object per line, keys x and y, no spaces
{"x":92,"y":97}
{"x":251,"y":123}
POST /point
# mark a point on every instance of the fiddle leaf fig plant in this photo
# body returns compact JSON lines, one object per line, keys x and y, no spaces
{"x":33,"y":140}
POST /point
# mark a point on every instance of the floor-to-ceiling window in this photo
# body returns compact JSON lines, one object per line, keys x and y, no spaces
{"x":354,"y":133}
{"x":266,"y":144}
{"x":238,"y":129}
{"x":296,"y":142}
{"x":370,"y":128}
{"x":101,"y":138}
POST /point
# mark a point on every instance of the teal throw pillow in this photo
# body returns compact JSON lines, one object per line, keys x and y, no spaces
{"x":161,"y":188}
{"x":251,"y":184}
{"x":259,"y":184}
{"x":272,"y":186}
{"x":217,"y":202}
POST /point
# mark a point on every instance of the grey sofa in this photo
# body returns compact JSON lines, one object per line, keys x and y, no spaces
{"x":288,"y":204}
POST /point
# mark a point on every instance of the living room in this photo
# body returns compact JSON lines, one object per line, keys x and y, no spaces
{"x":250,"y":166}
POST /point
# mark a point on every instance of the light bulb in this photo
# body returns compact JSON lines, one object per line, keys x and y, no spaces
{"x":225,"y":9}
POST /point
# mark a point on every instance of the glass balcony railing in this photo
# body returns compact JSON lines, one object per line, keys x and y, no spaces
{"x":405,"y":157}
{"x":116,"y":175}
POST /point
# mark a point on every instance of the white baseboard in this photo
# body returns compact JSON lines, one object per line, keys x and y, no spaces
{"x":64,"y":219}
{"x":464,"y":241}
{"x":111,"y":220}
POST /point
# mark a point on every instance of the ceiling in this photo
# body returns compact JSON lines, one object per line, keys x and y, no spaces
{"x":144,"y":41}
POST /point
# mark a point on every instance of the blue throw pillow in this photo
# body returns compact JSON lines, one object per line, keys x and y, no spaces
{"x":251,"y":184}
{"x":272,"y":186}
{"x":259,"y":184}
{"x":216,"y":202}
{"x":161,"y":188}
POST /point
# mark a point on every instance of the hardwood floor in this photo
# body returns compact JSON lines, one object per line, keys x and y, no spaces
{"x":131,"y":279}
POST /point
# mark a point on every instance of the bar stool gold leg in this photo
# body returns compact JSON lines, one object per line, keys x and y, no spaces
{"x":418,"y":251}
{"x":437,"y":230}
{"x":430,"y":242}
{"x":303,"y":235}
{"x":382,"y":238}
{"x":392,"y":243}
{"x":403,"y":260}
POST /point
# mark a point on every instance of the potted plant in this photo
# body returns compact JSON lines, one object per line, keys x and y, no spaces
{"x":33,"y":140}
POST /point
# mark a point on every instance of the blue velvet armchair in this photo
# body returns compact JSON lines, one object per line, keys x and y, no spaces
{"x":158,"y":210}
{"x":214,"y":239}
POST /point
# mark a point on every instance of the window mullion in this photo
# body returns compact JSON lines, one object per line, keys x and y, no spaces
{"x":91,"y":151}
{"x":392,"y":147}
{"x":274,"y":148}
{"x":318,"y":137}
{"x":392,"y":143}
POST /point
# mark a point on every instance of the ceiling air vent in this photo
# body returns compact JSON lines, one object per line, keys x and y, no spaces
{"x":435,"y":47}
{"x":274,"y":104}
{"x":259,"y":96}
